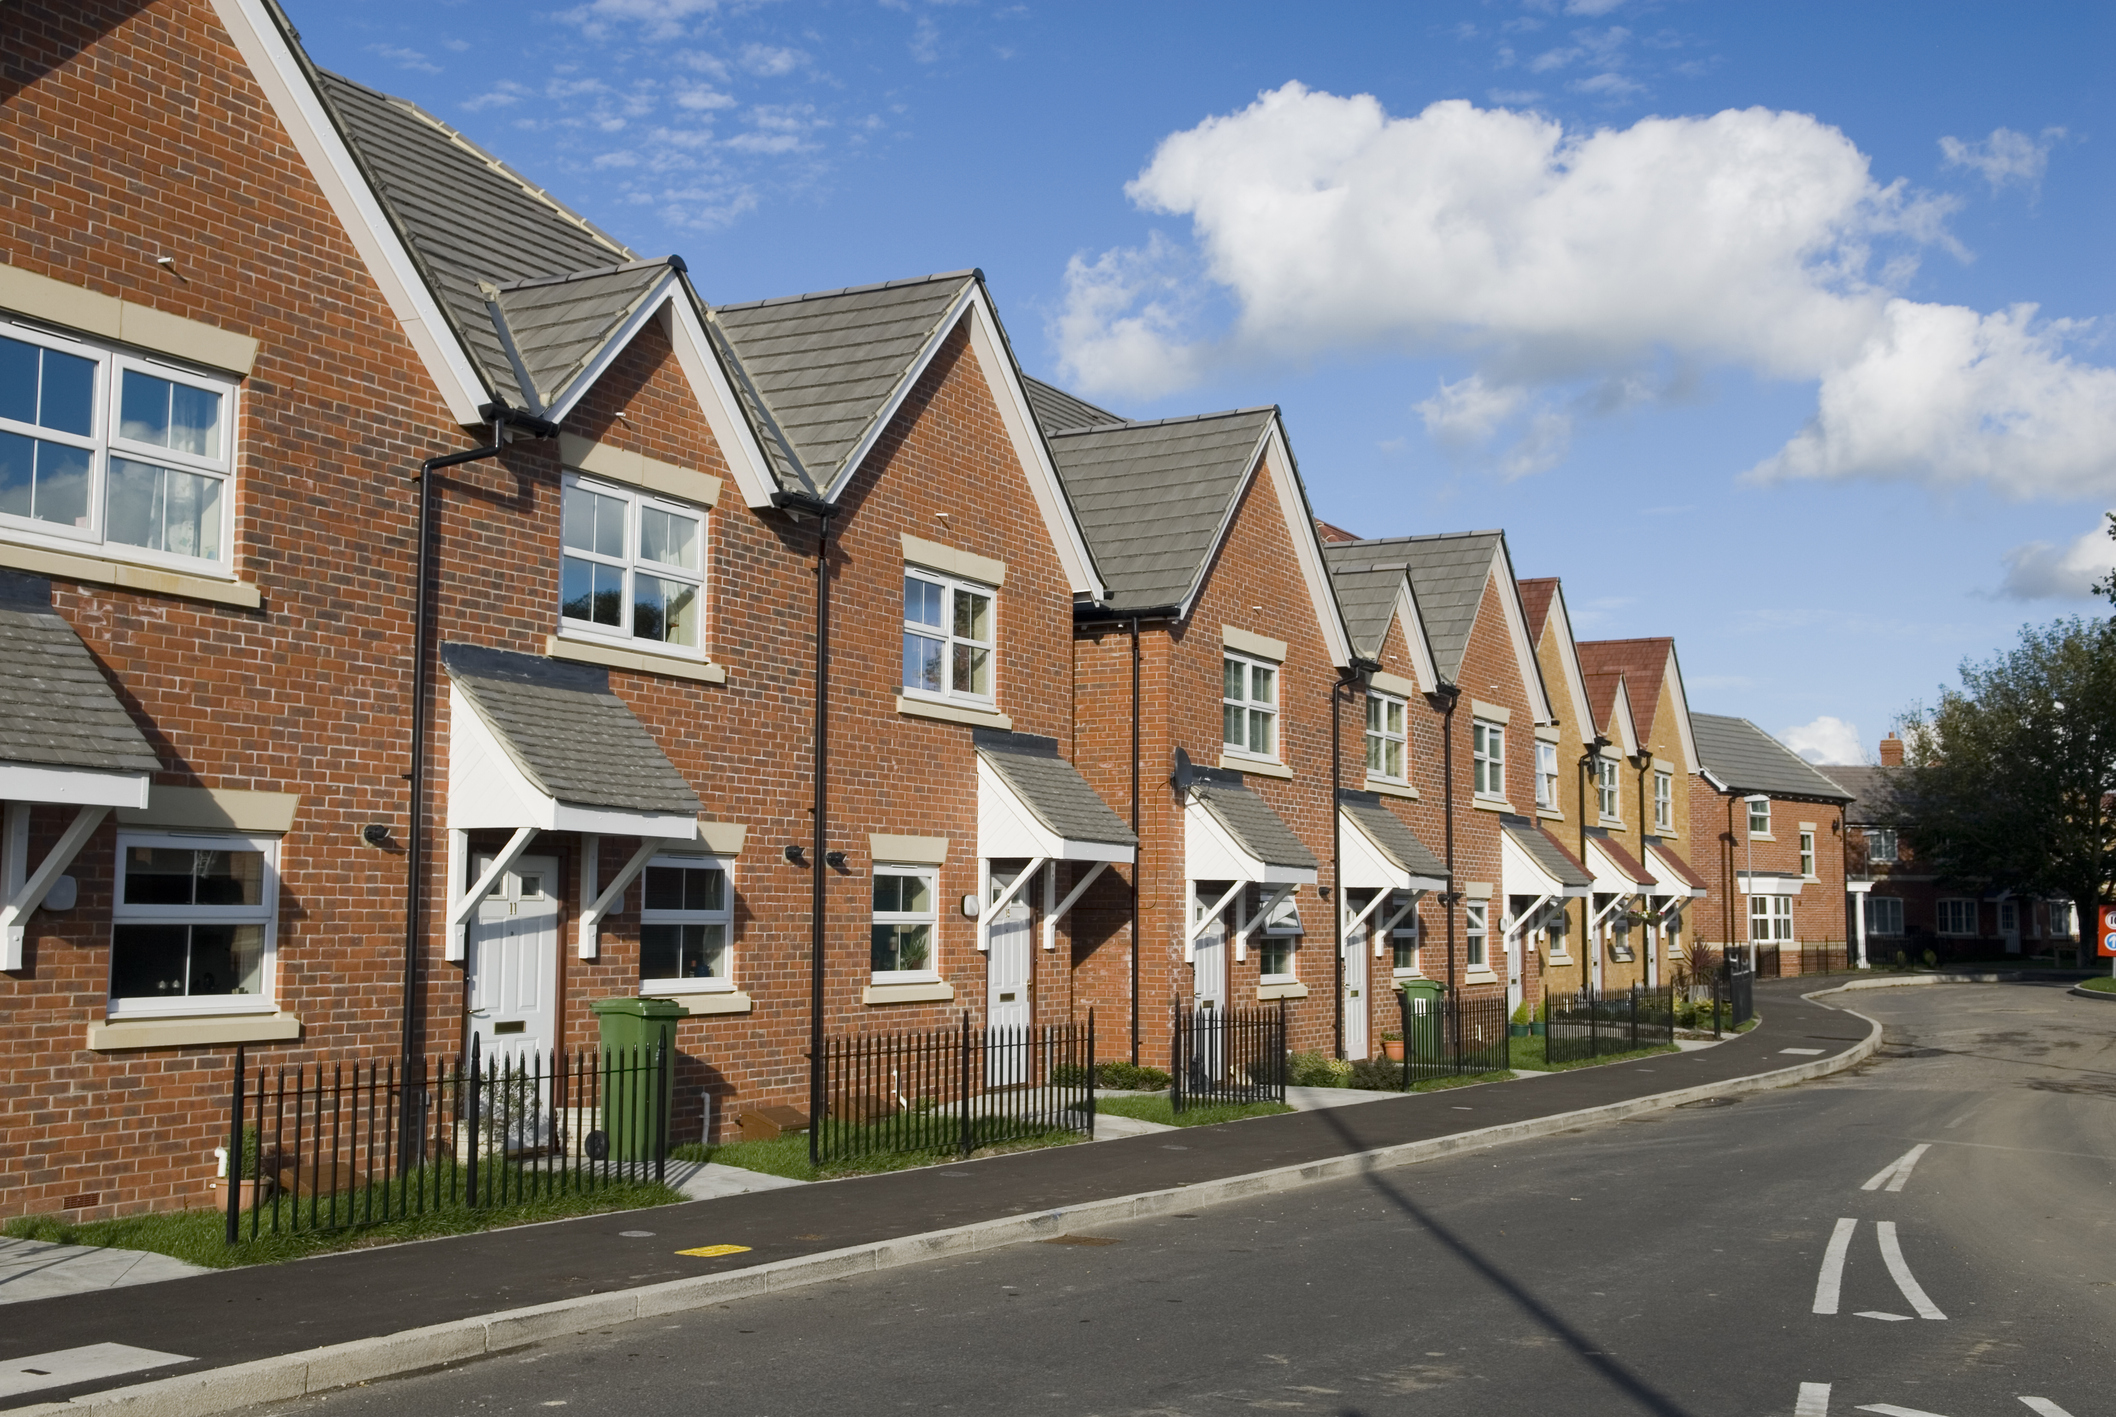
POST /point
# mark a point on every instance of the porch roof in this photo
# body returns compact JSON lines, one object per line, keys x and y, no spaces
{"x":64,"y":734}
{"x":1046,"y":807}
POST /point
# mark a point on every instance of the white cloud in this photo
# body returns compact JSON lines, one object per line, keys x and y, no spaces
{"x":699,"y":99}
{"x":925,"y":41}
{"x":1553,"y":260}
{"x":1826,"y":740}
{"x":659,"y":19}
{"x":2041,"y":571}
{"x":2005,"y":156}
{"x":405,"y":58}
{"x":769,"y":62}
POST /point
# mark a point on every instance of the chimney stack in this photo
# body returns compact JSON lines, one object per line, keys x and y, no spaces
{"x":1891,"y":752}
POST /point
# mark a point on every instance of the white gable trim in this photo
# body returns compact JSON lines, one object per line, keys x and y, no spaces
{"x":842,"y":477}
{"x":1006,"y":827}
{"x":1501,"y":578}
{"x":1674,"y":680}
{"x":1621,"y":718}
{"x":1560,"y":623}
{"x":571,"y":394}
{"x":1426,"y":672}
{"x":296,"y":103}
{"x":745,"y":457}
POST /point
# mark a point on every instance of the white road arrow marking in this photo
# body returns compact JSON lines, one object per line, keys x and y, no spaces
{"x":1877,"y":1314}
{"x":1889,"y":1409}
{"x":1896,"y":1172}
{"x":2041,"y":1406}
{"x":1892,"y":1253}
{"x":1814,"y":1400}
{"x":1830,"y":1282}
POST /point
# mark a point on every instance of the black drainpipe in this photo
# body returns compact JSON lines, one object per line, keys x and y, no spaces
{"x":1138,"y":859}
{"x":1444,"y":699}
{"x":498,"y":416}
{"x":1349,"y":675}
{"x":802,"y":504}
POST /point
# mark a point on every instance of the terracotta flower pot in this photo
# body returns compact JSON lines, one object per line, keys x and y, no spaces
{"x":1392,"y":1049}
{"x":246,"y":1197}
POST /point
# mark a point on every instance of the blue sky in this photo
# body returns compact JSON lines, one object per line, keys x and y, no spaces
{"x":1723,"y":312}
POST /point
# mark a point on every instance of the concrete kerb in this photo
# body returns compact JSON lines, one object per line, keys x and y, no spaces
{"x":317,"y":1370}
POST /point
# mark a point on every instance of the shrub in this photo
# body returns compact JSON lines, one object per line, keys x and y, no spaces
{"x":1317,"y":1070}
{"x":1116,"y":1073}
{"x":1376,"y":1075}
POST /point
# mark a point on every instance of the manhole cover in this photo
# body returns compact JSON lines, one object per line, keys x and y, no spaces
{"x":1713,"y":1102}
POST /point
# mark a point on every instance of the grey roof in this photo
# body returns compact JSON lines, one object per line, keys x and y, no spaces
{"x":557,"y":325}
{"x":567,"y":732}
{"x":1051,"y":787}
{"x":1872,"y":790}
{"x":56,"y":708}
{"x":824,"y":367}
{"x":1448,"y":574}
{"x":1249,"y":819}
{"x":1546,"y":850}
{"x":1747,"y":760}
{"x":1387,"y":831}
{"x":1060,"y":412}
{"x":1152,"y":497}
{"x":1366,"y":593}
{"x":469,"y":219}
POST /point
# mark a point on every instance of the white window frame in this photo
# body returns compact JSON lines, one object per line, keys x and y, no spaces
{"x":1383,"y":737}
{"x":1951,"y":906}
{"x":265,"y":913}
{"x":952,"y":586}
{"x":931,"y":973}
{"x":1807,"y":856}
{"x":724,"y":917}
{"x":1547,"y":775}
{"x":1476,"y":935}
{"x":1875,"y":838}
{"x":1283,"y":925}
{"x":1663,"y":800}
{"x":1608,"y":791}
{"x":1487,"y":759}
{"x":633,"y":564}
{"x":2063,"y":919}
{"x":1251,"y":707}
{"x":103,"y":441}
{"x":1408,"y":929}
{"x":2009,"y":917}
{"x":1895,"y":909}
{"x":1761,"y":809}
{"x":1772,"y":915}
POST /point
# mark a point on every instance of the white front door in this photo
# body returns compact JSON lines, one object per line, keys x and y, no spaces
{"x":1007,"y":973}
{"x":1208,"y":993}
{"x":511,"y":958}
{"x":1356,"y":1001}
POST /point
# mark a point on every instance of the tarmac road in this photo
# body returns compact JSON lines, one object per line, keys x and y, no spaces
{"x":1664,"y":1265}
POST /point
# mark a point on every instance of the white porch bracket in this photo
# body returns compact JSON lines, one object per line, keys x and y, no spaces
{"x":591,"y":919}
{"x":1246,"y":928}
{"x":1381,"y":936}
{"x":1052,"y":914}
{"x":24,"y":896}
{"x":1345,"y":930}
{"x":1515,"y":925}
{"x":1004,"y":899}
{"x":459,"y":911}
{"x":1197,"y":926}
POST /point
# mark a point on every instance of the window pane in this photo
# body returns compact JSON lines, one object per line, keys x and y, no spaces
{"x":973,"y":670}
{"x":18,"y":380}
{"x":918,"y":895}
{"x":1394,"y":766}
{"x":1260,"y":725}
{"x":589,"y":521}
{"x":158,"y":875}
{"x":59,"y":484}
{"x":163,"y":509}
{"x":922,"y":663}
{"x":591,"y":591}
{"x":1374,"y":758}
{"x":1234,"y":678}
{"x":1373,"y":714}
{"x":973,"y":617}
{"x":900,"y":947}
{"x":668,"y":538}
{"x":149,"y":961}
{"x":194,"y":421}
{"x":1231,"y":725}
{"x":664,"y":889}
{"x":665,"y":610}
{"x":226,"y":959}
{"x":888,"y":894}
{"x":229,"y":877}
{"x":1263,"y":684}
{"x":143,"y":409}
{"x":683,"y":951}
{"x":68,"y":396}
{"x":922,"y":602}
{"x":1395,"y":716}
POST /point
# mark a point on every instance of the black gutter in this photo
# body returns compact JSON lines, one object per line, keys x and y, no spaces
{"x":1348,"y":675}
{"x":1092,"y":612}
{"x":499,"y":416}
{"x":1138,"y":858}
{"x":800,"y":504}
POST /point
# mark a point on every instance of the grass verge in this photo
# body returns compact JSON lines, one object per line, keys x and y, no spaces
{"x":1159,"y":1108}
{"x":200,"y":1236}
{"x":2101,"y":984}
{"x":1529,"y":1056}
{"x":788,"y":1156}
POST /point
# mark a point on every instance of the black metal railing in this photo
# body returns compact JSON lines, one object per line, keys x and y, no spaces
{"x":1221,"y":1057}
{"x":1587,"y":1025}
{"x":335,"y":1146}
{"x":1825,"y":959}
{"x":954,"y":1089}
{"x":1737,"y":984}
{"x":1767,"y":962}
{"x":1453,"y":1036}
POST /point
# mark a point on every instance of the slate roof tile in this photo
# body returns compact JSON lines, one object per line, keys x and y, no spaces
{"x":1644,"y":665}
{"x":1059,"y":412}
{"x":1051,"y":787}
{"x":56,"y":708}
{"x":1249,"y":819}
{"x":1747,"y":760}
{"x":1388,"y":832}
{"x":1546,"y":850}
{"x":1448,"y":573}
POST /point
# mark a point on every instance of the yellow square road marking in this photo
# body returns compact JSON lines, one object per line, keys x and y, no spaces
{"x":708,"y":1252}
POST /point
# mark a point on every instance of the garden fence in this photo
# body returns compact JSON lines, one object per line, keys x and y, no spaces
{"x":1222,"y":1057}
{"x":1587,"y":1024}
{"x":1453,"y":1036}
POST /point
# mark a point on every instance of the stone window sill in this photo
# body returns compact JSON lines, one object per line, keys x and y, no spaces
{"x":118,"y":1035}
{"x":702,"y":1001}
{"x":936,"y":992}
{"x":1288,"y":990}
{"x":1384,"y":787}
{"x":639,"y":661}
{"x":102,"y":570}
{"x":1256,"y":767}
{"x":1480,"y":976}
{"x":951,"y":713}
{"x":1493,"y":804}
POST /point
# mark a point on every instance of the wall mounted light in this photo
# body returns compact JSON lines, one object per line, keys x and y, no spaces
{"x":797,"y":854}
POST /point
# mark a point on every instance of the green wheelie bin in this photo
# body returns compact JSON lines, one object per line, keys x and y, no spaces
{"x":638,"y":1072}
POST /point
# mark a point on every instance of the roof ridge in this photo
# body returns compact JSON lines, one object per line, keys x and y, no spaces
{"x":590,"y":273}
{"x":1422,"y":536}
{"x":965,"y":274}
{"x":1271,"y":408}
{"x":456,"y":136}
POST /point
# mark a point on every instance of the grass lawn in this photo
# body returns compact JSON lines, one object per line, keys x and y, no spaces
{"x":1158,"y":1108}
{"x":1527,"y":1055}
{"x":2101,"y":984}
{"x":200,"y":1236}
{"x":788,"y":1156}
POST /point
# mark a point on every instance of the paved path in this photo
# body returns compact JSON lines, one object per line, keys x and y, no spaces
{"x":233,"y":1316}
{"x":37,"y":1269}
{"x":1666,"y":1265}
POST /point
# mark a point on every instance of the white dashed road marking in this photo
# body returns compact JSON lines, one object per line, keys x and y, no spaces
{"x":1892,"y":1253}
{"x":1896,"y":1172}
{"x":1877,"y":1314}
{"x":2044,"y":1407}
{"x":1889,"y":1409}
{"x":78,"y":1365}
{"x":1803,"y":1052}
{"x":1814,"y":1400}
{"x":1830,"y":1282}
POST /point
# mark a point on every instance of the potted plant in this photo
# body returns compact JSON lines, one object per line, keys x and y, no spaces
{"x":1392,"y":1047}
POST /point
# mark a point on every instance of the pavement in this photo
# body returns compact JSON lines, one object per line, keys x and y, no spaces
{"x":1681,"y":1263}
{"x":38,"y":1269}
{"x":575,"y":1272}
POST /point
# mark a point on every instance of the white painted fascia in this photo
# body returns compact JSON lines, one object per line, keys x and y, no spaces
{"x":879,"y":424}
{"x":1674,"y":680}
{"x":1609,"y":879}
{"x":1210,"y":853}
{"x":1424,"y":668}
{"x":1502,"y":580}
{"x":662,"y":293}
{"x":1006,"y":828}
{"x":1560,"y":624}
{"x":1515,"y":864}
{"x":294,"y":100}
{"x":746,"y":459}
{"x":78,"y":787}
{"x":1620,"y":718}
{"x":1368,"y":867}
{"x":1003,"y":376}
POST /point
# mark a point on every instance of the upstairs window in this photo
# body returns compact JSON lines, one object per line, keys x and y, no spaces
{"x":948,"y":638}
{"x":1487,"y":758}
{"x":1608,"y":795}
{"x":1760,"y":817}
{"x":1547,"y":776}
{"x":633,"y":567}
{"x":685,"y":915}
{"x":104,"y":449}
{"x":1881,"y":847}
{"x":1385,"y":737}
{"x":905,"y":916}
{"x":1663,"y":801}
{"x":1249,"y":706}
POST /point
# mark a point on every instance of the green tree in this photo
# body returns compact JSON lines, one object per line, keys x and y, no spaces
{"x":2108,"y":587}
{"x":2010,"y":782}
